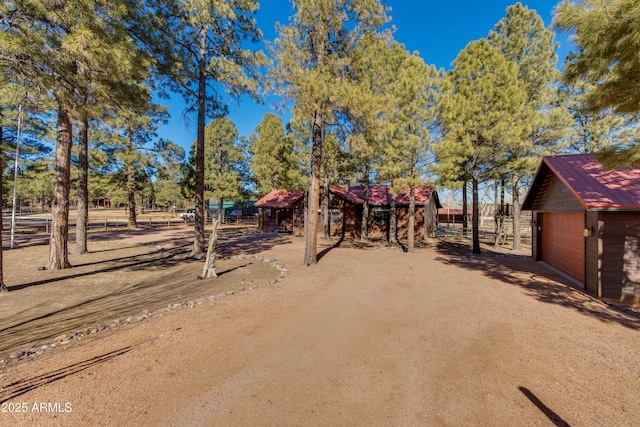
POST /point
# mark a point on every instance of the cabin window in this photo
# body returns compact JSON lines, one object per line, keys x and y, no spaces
{"x":334,"y":216}
{"x":380,"y":216}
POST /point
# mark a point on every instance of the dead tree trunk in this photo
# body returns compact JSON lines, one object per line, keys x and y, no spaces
{"x":209,"y":269}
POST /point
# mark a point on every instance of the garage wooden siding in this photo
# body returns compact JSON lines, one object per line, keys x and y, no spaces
{"x":621,"y":257}
{"x":562,"y":242}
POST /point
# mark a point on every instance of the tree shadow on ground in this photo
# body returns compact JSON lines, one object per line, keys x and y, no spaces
{"x":14,"y":390}
{"x":536,"y":280}
{"x":120,"y":284}
{"x":325,"y":251}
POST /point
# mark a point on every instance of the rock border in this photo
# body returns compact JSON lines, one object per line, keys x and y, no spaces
{"x":65,"y":339}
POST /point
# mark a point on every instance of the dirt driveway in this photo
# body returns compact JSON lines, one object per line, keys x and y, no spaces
{"x":366,"y":337}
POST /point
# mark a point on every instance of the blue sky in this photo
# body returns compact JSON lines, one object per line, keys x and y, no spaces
{"x":439,"y":30}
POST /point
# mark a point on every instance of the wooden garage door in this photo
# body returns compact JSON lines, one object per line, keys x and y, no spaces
{"x":562,"y":242}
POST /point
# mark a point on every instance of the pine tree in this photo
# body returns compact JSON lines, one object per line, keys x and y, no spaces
{"x":275,"y":158}
{"x":410,"y":123}
{"x":594,"y":130}
{"x":312,"y":55}
{"x":606,"y":34}
{"x":201,"y":47}
{"x":484,"y":99}
{"x":374,"y":68}
{"x":225,"y":162}
{"x":522,"y":37}
{"x":52,"y":45}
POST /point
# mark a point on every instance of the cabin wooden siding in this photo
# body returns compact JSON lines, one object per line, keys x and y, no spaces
{"x":269,"y":219}
{"x":350,"y":220}
{"x":350,"y":225}
{"x":431,"y":220}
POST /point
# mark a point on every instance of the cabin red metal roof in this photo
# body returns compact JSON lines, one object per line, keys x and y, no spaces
{"x":594,"y":186}
{"x":279,"y":199}
{"x":380,"y":195}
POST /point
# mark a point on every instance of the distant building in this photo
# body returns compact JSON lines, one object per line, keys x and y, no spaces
{"x":284,"y":210}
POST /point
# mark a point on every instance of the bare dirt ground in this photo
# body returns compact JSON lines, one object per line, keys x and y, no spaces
{"x":366,"y":337}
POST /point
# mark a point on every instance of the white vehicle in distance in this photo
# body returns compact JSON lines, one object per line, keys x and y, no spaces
{"x":189,"y":216}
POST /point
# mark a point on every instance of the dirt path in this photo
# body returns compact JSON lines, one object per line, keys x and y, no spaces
{"x":367,"y":337}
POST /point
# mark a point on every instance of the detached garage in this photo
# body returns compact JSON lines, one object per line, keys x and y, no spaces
{"x":586,"y":223}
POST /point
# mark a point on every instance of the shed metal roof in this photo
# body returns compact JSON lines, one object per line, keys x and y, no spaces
{"x":279,"y":199}
{"x":594,"y":186}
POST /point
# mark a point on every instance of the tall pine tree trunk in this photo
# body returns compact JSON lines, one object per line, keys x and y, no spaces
{"x":465,"y":208}
{"x":82,"y":218}
{"x":325,"y":205}
{"x":198,"y":244}
{"x":364,"y":227}
{"x":311,"y":235}
{"x":411,"y":232}
{"x":393,"y":223}
{"x":131,"y":197}
{"x":3,"y":287}
{"x":221,"y":210}
{"x":516,"y":212}
{"x":131,"y":181}
{"x":58,"y":244}
{"x":502,"y":206}
{"x":475,"y":208}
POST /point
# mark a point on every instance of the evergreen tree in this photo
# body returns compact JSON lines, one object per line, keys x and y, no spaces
{"x":594,"y":130}
{"x":168,"y":170}
{"x":225,"y":162}
{"x":275,"y":158}
{"x":484,"y":100}
{"x":52,"y":44}
{"x":202,"y":51}
{"x":411,"y":123}
{"x":522,"y":37}
{"x":374,"y":68}
{"x":606,"y":34}
{"x":312,"y":56}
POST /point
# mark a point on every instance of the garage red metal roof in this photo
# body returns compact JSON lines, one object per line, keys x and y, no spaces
{"x":280,"y":199}
{"x":593,"y":185}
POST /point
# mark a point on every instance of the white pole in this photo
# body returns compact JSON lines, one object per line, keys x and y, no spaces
{"x":15,"y":177}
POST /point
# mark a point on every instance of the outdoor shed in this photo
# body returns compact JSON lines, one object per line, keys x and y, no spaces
{"x":281,"y":210}
{"x":350,"y":207}
{"x":586,"y":223}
